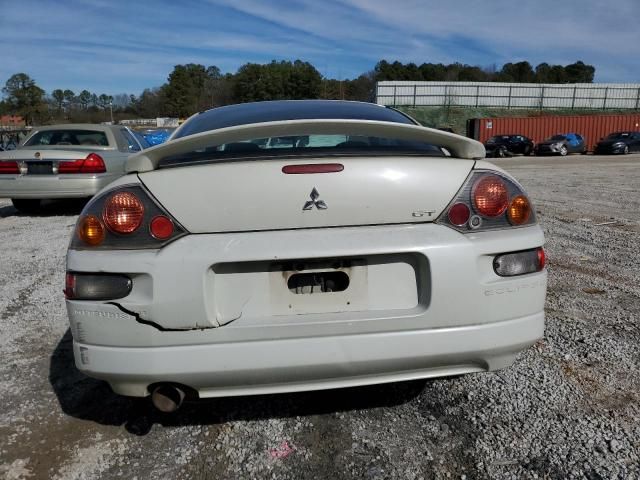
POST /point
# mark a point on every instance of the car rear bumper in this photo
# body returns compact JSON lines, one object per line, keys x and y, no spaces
{"x":206,"y":312}
{"x":53,"y":186}
{"x":276,"y":366}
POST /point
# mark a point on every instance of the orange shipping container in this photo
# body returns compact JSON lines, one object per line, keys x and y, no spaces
{"x":591,"y":127}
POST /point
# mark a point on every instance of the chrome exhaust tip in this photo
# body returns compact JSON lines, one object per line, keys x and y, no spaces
{"x":167,"y":398}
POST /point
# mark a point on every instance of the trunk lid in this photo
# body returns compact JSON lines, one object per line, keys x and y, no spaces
{"x":256,"y":195}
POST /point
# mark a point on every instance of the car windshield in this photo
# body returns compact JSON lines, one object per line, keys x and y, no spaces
{"x":304,"y":145}
{"x":68,"y":137}
{"x":556,"y":138}
{"x":618,"y":135}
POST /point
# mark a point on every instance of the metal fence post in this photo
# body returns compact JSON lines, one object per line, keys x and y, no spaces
{"x":573,"y":100}
{"x":542,"y":98}
{"x":415,"y":86}
{"x":638,"y":99}
{"x":604,"y":103}
{"x":509,"y":104}
{"x":477,"y":94}
{"x":394,"y":95}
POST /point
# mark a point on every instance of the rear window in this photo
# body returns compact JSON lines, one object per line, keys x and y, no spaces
{"x":69,"y":137}
{"x":304,"y":145}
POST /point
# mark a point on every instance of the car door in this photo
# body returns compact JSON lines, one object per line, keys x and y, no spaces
{"x":515,"y":144}
{"x":634,"y":145}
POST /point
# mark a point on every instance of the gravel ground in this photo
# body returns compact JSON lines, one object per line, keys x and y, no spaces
{"x":568,"y":408}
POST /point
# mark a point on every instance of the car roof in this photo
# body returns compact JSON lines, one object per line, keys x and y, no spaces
{"x":78,"y":126}
{"x":280,"y":110}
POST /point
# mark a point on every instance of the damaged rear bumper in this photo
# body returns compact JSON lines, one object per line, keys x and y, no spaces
{"x":215,"y":312}
{"x":299,"y":364}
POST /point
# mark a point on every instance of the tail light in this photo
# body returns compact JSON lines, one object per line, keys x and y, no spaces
{"x":489,"y":195}
{"x":123,"y":212}
{"x":519,"y":210}
{"x":9,"y":168}
{"x":96,"y":286}
{"x":92,"y":164}
{"x":126,"y":217}
{"x":519,"y":263}
{"x":91,"y":230}
{"x":488,"y":200}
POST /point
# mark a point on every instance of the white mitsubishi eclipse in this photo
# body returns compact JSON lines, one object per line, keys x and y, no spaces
{"x":300,"y":245}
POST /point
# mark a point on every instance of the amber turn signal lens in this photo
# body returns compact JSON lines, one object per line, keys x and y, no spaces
{"x":91,"y":231}
{"x":123,"y":212}
{"x":519,"y":210}
{"x":490,"y":196}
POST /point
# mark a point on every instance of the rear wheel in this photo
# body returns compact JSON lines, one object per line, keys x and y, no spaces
{"x":528,"y":150}
{"x":26,"y":205}
{"x":626,"y":149}
{"x":501,"y":153}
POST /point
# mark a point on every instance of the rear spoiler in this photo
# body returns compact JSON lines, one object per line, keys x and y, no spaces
{"x":460,"y":147}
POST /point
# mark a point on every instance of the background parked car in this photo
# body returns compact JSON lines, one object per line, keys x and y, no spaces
{"x":157,"y":136}
{"x":64,"y":161}
{"x":619,"y":142}
{"x":561,"y":144}
{"x":506,"y":145}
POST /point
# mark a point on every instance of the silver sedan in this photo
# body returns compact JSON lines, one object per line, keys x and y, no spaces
{"x":65,"y":161}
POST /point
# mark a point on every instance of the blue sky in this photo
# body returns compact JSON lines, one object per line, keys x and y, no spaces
{"x":114,"y":46}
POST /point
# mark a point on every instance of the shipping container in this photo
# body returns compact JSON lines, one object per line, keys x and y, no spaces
{"x":591,"y":127}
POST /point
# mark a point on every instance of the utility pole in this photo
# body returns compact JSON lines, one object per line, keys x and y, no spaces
{"x":111,"y":111}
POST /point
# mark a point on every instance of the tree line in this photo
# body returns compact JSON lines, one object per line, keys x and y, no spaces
{"x":193,"y":87}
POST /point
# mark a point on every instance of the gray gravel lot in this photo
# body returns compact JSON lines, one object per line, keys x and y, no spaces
{"x":569,"y":407}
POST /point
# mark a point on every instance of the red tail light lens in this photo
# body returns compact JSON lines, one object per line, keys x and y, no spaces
{"x":92,"y":164}
{"x":123,"y":213}
{"x":69,"y":285}
{"x":9,"y":168}
{"x":542,"y":258}
{"x":490,"y":196}
{"x":459,"y":214}
{"x":313,"y":168}
{"x":161,"y":227}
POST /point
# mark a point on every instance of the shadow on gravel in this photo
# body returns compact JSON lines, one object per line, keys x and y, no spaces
{"x":89,"y":399}
{"x":48,"y":208}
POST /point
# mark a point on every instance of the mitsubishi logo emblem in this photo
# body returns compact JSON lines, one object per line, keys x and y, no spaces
{"x":320,"y":205}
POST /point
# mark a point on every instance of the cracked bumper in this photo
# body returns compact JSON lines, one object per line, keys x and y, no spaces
{"x":276,"y":366}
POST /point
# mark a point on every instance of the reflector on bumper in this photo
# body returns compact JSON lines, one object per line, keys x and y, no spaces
{"x":87,"y":286}
{"x":519,"y":263}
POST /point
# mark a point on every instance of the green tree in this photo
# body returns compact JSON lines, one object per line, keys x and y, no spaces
{"x":69,"y":98}
{"x":520,"y":72}
{"x":58,"y":97}
{"x":579,"y":72}
{"x":185,"y":89}
{"x":84,"y":98}
{"x":24,"y":97}
{"x":277,"y":81}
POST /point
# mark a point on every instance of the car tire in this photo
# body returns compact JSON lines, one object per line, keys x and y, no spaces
{"x":26,"y":205}
{"x":500,"y":153}
{"x":528,"y":150}
{"x":625,"y":151}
